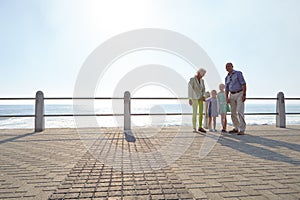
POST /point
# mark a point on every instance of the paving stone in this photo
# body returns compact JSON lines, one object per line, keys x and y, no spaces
{"x":270,"y":195}
{"x":233,"y":194}
{"x":253,"y":198}
{"x":250,"y":191}
{"x":100,"y":194}
{"x":198,"y":194}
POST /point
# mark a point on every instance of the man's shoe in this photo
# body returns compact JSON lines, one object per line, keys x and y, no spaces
{"x":233,"y":131}
{"x":202,"y":130}
{"x":224,"y":131}
{"x":194,"y":130}
{"x":241,"y":133}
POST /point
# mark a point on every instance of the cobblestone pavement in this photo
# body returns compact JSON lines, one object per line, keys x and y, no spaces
{"x":103,"y":164}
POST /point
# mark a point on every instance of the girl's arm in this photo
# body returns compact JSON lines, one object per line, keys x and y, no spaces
{"x":218,"y":106}
{"x":208,"y":99}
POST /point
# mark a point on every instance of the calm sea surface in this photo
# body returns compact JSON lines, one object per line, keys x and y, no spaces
{"x":161,"y":120}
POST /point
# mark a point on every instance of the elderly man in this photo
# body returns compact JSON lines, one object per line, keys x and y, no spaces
{"x":196,"y":93}
{"x":235,"y":84}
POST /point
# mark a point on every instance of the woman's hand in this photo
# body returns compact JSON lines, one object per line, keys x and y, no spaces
{"x":190,"y":102}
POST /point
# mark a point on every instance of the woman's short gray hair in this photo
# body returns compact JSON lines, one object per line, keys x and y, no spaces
{"x":201,"y":71}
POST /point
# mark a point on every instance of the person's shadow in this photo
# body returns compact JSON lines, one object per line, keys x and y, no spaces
{"x":246,"y":144}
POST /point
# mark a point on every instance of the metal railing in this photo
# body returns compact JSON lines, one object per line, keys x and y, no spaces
{"x":40,"y":115}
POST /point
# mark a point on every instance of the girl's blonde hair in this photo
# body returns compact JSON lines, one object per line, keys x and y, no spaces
{"x":221,"y":86}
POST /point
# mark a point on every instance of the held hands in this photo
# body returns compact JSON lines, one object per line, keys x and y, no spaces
{"x":228,"y":100}
{"x":191,"y":102}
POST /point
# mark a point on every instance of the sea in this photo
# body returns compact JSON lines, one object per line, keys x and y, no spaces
{"x":144,"y":120}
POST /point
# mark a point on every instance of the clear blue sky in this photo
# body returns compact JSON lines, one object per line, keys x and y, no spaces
{"x":43,"y":44}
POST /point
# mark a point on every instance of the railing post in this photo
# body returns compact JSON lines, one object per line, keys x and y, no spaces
{"x":127,"y":118}
{"x":127,"y":112}
{"x":280,"y":109}
{"x":39,"y":112}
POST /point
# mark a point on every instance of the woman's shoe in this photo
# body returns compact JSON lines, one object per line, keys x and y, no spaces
{"x":202,"y":130}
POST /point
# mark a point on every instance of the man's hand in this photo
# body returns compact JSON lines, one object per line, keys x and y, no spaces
{"x":190,"y":102}
{"x":244,"y":98}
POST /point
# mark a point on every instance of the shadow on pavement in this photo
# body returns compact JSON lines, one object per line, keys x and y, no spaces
{"x":16,"y":137}
{"x":246,"y":145}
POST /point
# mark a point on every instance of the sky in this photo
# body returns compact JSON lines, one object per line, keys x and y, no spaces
{"x":43,"y":44}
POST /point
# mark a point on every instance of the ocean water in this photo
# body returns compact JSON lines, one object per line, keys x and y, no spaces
{"x":156,"y":120}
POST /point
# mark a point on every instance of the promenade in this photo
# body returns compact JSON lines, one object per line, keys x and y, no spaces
{"x":103,"y":164}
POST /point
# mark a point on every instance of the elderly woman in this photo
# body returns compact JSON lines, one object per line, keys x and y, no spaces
{"x":196,"y":92}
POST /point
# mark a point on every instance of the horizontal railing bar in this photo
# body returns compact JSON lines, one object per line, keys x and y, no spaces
{"x":20,"y":98}
{"x":136,"y":98}
{"x":140,"y":114}
{"x":292,"y":98}
{"x":261,"y":98}
{"x":260,"y":114}
{"x":8,"y":116}
{"x":159,"y":98}
{"x":145,"y":114}
{"x":185,"y":98}
{"x":133,"y":114}
{"x":192,"y":113}
{"x":59,"y":98}
{"x":82,"y":98}
{"x":82,"y":115}
{"x":133,"y":98}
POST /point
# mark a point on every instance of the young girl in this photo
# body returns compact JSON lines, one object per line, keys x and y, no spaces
{"x":213,"y":110}
{"x":222,"y":107}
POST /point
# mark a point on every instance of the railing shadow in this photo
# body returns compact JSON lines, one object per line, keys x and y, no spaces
{"x":244,"y":145}
{"x":16,"y":137}
{"x":293,"y":129}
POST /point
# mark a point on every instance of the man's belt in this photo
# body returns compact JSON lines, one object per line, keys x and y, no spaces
{"x":236,"y":92}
